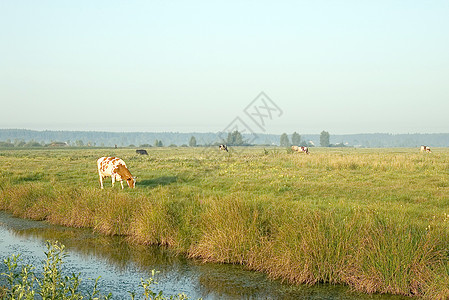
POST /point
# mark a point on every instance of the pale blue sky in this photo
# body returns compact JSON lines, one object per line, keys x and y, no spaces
{"x":340,"y":66}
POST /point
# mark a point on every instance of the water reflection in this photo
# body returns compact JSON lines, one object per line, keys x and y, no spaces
{"x":122,"y":265}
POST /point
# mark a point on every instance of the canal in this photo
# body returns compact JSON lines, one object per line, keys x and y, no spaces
{"x":122,"y":265}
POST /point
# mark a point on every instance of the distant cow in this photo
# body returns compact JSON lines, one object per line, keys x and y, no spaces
{"x":116,"y":169}
{"x":300,"y":149}
{"x":425,"y":149}
{"x":141,"y":152}
{"x":223,"y":147}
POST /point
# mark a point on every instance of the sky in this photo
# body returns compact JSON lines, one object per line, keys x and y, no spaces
{"x":204,"y":66}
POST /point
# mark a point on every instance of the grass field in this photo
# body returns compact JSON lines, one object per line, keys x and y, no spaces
{"x":374,"y":219}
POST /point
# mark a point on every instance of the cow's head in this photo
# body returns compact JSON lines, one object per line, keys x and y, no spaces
{"x":131,"y":181}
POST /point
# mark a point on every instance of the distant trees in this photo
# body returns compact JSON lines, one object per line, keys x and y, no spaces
{"x":20,"y":143}
{"x":284,"y":141}
{"x":235,"y":138}
{"x":324,"y":139}
{"x":296,"y":138}
{"x":6,"y":144}
{"x":158,"y":143}
{"x":192,"y":142}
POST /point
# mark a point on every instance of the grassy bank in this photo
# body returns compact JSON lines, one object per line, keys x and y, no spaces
{"x":374,"y":219}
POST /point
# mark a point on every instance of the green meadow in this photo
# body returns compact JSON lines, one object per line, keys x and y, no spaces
{"x":374,"y":219}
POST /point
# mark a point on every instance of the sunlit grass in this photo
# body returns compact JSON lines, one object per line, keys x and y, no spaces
{"x":375,"y":219}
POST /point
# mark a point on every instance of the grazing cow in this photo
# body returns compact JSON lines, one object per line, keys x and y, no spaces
{"x":142,"y":152}
{"x":301,"y":149}
{"x":223,"y":147}
{"x":304,"y":149}
{"x":425,"y":149}
{"x":116,"y":168}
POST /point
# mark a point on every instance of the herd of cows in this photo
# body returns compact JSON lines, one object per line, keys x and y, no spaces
{"x":115,"y":167}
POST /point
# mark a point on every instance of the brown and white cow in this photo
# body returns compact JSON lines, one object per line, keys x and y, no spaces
{"x":116,"y":169}
{"x":301,"y":149}
{"x":425,"y":149}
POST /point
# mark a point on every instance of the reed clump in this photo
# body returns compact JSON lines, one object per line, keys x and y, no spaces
{"x":377,"y":220}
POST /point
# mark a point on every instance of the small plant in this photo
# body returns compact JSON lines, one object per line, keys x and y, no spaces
{"x":53,"y":285}
{"x":24,"y":284}
{"x":149,"y":294}
{"x":19,"y":282}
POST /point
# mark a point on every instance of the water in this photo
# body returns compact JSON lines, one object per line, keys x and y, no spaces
{"x":121,"y":266}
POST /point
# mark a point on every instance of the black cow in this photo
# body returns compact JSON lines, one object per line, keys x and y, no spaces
{"x":142,"y":152}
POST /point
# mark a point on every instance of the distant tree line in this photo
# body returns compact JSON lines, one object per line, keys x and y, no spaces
{"x":33,"y":138}
{"x":30,"y":144}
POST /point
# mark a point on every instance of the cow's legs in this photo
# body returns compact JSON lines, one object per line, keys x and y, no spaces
{"x":121,"y":182}
{"x":113,"y":180}
{"x":101,"y":180}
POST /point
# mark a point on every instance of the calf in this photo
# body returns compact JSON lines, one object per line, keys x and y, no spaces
{"x":116,"y":168}
{"x":223,"y":147}
{"x":142,"y":152}
{"x":425,"y":149}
